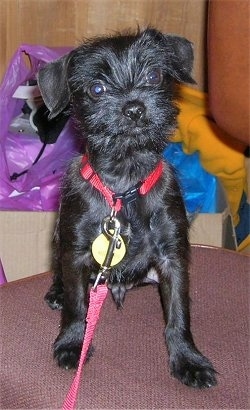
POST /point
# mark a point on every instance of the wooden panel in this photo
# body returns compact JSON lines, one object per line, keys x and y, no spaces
{"x":66,"y":22}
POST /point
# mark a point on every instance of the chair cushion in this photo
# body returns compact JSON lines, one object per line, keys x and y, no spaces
{"x":129,"y":369}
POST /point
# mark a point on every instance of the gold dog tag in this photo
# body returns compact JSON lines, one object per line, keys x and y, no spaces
{"x":100,"y":248}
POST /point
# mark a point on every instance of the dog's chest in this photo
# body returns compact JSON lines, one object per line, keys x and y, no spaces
{"x":137,"y":233}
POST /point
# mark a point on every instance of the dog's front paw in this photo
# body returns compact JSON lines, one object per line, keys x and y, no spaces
{"x":194,"y":370}
{"x":67,"y":351}
{"x":67,"y":357}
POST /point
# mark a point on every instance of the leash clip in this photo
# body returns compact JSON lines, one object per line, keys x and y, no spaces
{"x":130,"y":195}
{"x":100,"y":276}
{"x":111,"y":229}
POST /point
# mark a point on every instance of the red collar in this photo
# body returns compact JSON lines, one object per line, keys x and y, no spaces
{"x":117,"y":200}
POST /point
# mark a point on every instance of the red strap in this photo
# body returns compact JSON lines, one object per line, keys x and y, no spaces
{"x":89,"y":174}
{"x":151,"y":180}
{"x":97,"y":297}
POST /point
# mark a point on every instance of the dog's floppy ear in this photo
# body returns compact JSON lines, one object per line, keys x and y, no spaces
{"x":53,"y":84}
{"x":181,"y":58}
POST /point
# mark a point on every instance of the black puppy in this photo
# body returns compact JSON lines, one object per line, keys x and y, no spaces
{"x":121,"y":91}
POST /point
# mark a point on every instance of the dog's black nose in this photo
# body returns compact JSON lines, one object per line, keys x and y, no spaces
{"x":134,"y":110}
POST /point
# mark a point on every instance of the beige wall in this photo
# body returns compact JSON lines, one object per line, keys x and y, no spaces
{"x":66,"y":22}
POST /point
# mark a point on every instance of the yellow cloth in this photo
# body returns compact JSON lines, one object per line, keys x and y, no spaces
{"x":219,"y":154}
{"x":244,"y":247}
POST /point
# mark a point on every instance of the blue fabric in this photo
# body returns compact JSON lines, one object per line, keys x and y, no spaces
{"x":242,"y":230}
{"x":198,"y":186}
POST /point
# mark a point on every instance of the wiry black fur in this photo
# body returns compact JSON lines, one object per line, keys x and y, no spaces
{"x":126,"y":130}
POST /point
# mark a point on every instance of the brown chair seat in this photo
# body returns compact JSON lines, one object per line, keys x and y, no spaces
{"x":129,"y":369}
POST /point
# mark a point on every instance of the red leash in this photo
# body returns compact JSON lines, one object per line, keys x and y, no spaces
{"x":97,"y":298}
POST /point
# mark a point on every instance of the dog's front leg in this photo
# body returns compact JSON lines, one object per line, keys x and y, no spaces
{"x":186,"y":363}
{"x":67,"y":347}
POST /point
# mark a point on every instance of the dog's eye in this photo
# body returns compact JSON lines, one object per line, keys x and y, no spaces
{"x":154,"y":77}
{"x":97,"y":90}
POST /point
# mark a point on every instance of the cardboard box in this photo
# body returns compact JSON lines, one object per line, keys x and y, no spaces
{"x":26,"y":237}
{"x":215,"y":229}
{"x":25,"y":242}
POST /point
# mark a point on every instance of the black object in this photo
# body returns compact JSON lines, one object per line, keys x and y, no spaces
{"x":48,"y":131}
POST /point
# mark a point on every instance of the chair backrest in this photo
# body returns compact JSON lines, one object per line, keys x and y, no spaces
{"x":229,"y":66}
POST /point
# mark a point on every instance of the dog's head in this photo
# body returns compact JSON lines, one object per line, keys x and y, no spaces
{"x":121,"y":88}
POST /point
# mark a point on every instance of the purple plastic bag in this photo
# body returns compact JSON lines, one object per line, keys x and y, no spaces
{"x":2,"y":275}
{"x":38,"y":189}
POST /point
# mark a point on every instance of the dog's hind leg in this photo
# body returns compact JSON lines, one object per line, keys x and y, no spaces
{"x":186,"y":363}
{"x":54,"y":297}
